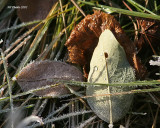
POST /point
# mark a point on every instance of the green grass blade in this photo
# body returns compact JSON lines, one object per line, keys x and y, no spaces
{"x":122,"y":11}
{"x":140,"y":6}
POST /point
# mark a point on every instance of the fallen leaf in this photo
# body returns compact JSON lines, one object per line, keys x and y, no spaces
{"x":41,"y":73}
{"x":149,"y":36}
{"x":113,"y":68}
{"x":84,"y":38}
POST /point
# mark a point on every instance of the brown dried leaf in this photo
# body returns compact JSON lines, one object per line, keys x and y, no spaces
{"x":84,"y":38}
{"x":41,"y":73}
{"x":150,"y":33}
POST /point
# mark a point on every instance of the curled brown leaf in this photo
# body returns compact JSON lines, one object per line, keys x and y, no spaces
{"x":84,"y":38}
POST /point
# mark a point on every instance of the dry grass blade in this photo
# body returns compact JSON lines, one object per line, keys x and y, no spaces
{"x":63,"y":117}
{"x":16,"y":48}
{"x":78,"y":7}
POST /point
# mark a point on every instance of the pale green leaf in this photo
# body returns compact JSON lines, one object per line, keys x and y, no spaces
{"x":111,"y":68}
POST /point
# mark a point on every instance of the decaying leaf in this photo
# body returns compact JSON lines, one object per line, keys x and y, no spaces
{"x":113,"y":69}
{"x":84,"y":38}
{"x":150,"y":32}
{"x":41,"y":73}
{"x":31,"y":10}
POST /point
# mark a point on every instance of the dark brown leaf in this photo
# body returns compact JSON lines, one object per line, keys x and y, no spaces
{"x":41,"y":73}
